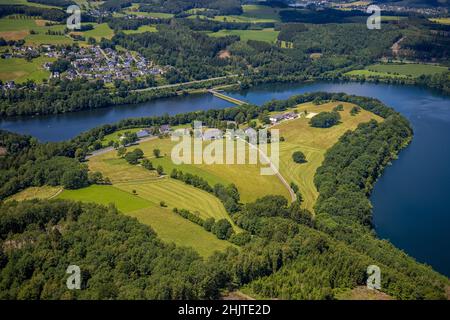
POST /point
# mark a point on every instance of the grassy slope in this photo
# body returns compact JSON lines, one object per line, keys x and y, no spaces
{"x":411,"y":70}
{"x":313,"y":142}
{"x":254,"y":14}
{"x":169,"y":226}
{"x":101,"y":30}
{"x":247,"y":178}
{"x":105,"y":195}
{"x":441,"y":20}
{"x":44,"y":192}
{"x":24,"y":2}
{"x":268,"y":35}
{"x":20,"y":70}
{"x":15,"y":28}
{"x":141,"y":29}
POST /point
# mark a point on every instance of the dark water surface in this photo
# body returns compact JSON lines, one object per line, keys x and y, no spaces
{"x":412,"y":198}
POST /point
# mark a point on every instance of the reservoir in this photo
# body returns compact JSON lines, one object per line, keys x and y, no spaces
{"x":411,"y":200}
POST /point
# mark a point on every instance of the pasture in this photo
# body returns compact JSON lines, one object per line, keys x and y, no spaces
{"x":101,"y":30}
{"x":20,"y":70}
{"x":394,"y":70}
{"x":267,"y":35}
{"x":150,"y":14}
{"x":169,"y":226}
{"x":142,"y":29}
{"x":124,"y":201}
{"x":25,"y":3}
{"x":247,"y":177}
{"x":409,"y":69}
{"x":44,"y":192}
{"x":441,"y":20}
{"x":313,"y":142}
{"x":17,"y":27}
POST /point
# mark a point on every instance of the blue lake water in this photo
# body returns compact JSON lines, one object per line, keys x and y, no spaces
{"x":412,"y":198}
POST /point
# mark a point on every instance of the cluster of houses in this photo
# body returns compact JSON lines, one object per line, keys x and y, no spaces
{"x":20,"y":52}
{"x":144,"y":133}
{"x":94,"y":63}
{"x":280,"y":117}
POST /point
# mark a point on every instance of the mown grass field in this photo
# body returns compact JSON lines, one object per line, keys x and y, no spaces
{"x":169,"y":226}
{"x":441,"y":20}
{"x":313,"y":142}
{"x":17,"y":27}
{"x":25,"y":2}
{"x":101,"y":30}
{"x":409,"y":70}
{"x":141,"y":29}
{"x":247,"y":178}
{"x":124,"y":201}
{"x":20,"y":70}
{"x":256,"y":11}
{"x":44,"y":192}
{"x":267,"y":35}
{"x":242,"y":18}
{"x":150,"y":14}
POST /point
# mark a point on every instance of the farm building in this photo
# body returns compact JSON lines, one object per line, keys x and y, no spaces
{"x":212,"y":134}
{"x":142,"y":133}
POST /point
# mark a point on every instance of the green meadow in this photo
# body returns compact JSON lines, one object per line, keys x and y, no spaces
{"x":101,"y":30}
{"x":18,"y":27}
{"x":441,"y":20}
{"x":141,"y":29}
{"x":407,"y":70}
{"x":267,"y":35}
{"x":124,"y":201}
{"x":169,"y":226}
{"x":20,"y":70}
{"x":313,"y":142}
{"x":25,"y":2}
{"x":150,"y":14}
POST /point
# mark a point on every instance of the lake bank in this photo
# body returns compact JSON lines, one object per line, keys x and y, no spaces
{"x":411,"y":198}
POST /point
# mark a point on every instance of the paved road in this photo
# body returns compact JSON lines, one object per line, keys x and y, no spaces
{"x":108,"y":149}
{"x":275,"y":169}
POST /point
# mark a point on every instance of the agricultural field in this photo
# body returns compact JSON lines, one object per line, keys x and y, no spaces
{"x":441,"y":20}
{"x":150,"y":14}
{"x":169,"y":226}
{"x":25,"y":2}
{"x":409,"y":70}
{"x":154,"y":189}
{"x":101,"y":30}
{"x":392,"y":18}
{"x":267,"y":35}
{"x":260,"y":12}
{"x":124,"y":201}
{"x":141,"y":29}
{"x":247,"y":178}
{"x":18,"y":27}
{"x":313,"y":142}
{"x":20,"y":70}
{"x":242,"y":19}
{"x":45,"y":192}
